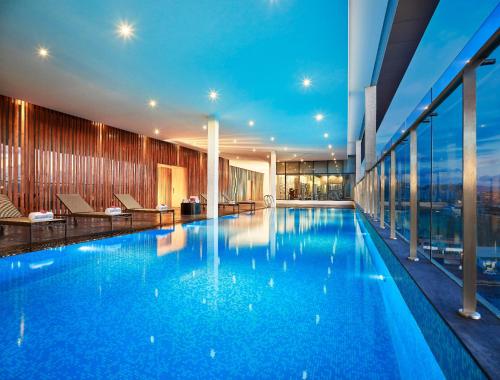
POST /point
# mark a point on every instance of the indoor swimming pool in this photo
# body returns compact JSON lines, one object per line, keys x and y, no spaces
{"x":285,"y":293}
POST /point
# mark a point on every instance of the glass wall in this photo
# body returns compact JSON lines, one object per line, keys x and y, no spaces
{"x":488,"y":178}
{"x":295,"y":180}
{"x":446,"y":197}
{"x":387,"y":189}
{"x":403,"y":188}
{"x":424,"y":186}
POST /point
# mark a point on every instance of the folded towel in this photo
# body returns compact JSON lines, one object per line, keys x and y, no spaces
{"x":162,"y":207}
{"x":40,"y":216}
{"x":113,"y":211}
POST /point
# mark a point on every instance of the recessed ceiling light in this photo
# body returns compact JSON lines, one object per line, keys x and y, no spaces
{"x":329,"y":146}
{"x":237,"y":157}
{"x":213,"y":95}
{"x":152,"y":103}
{"x":251,"y":123}
{"x":272,"y":138}
{"x":325,"y":135}
{"x":295,"y":154}
{"x":285,"y":148}
{"x":235,"y":141}
{"x":157,"y":131}
{"x":204,"y":126}
{"x":301,"y":160}
{"x":43,"y":52}
{"x":319,"y":117}
{"x":306,"y":82}
{"x":267,"y":156}
{"x":125,"y":30}
{"x":253,"y":150}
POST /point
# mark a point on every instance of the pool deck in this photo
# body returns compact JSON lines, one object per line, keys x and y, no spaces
{"x":481,"y":337}
{"x":14,"y":240}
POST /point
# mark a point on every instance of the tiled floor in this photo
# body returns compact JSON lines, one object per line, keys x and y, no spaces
{"x":15,"y":239}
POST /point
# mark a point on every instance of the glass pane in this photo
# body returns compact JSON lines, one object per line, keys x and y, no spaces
{"x":335,"y":187}
{"x":488,"y":179}
{"x":292,"y":187}
{"x":446,"y":214}
{"x":280,"y":168}
{"x":321,"y":167}
{"x":424,"y":184}
{"x":336,"y":166}
{"x":348,"y":185}
{"x":320,"y":187}
{"x":306,"y":187}
{"x":292,"y":168}
{"x":403,"y":188}
{"x":280,"y":187}
{"x":307,"y":167}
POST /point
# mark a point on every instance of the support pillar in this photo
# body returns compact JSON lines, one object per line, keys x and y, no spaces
{"x":272,"y":178}
{"x":393,"y":195}
{"x":413,"y":196}
{"x":213,"y":168}
{"x":382,"y":194}
{"x":370,"y":126}
{"x":358,"y":160}
{"x":469,"y":180}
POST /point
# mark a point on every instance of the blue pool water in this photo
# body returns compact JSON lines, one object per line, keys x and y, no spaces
{"x":290,"y":293}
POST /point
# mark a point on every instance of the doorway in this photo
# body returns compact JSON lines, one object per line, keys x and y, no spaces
{"x":172,"y":185}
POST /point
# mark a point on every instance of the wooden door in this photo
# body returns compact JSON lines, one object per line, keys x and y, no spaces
{"x":164,"y":181}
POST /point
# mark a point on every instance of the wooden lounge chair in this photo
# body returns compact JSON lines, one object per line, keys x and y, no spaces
{"x":78,"y":208}
{"x":221,"y":204}
{"x":247,"y":202}
{"x":10,"y":216}
{"x":131,"y":205}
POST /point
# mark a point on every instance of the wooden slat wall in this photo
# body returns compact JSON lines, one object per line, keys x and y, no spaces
{"x":45,"y":152}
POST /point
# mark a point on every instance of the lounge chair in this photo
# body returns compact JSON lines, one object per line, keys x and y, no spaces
{"x":221,"y":204}
{"x":10,"y":216}
{"x":131,"y":205}
{"x":247,"y":202}
{"x":78,"y":208}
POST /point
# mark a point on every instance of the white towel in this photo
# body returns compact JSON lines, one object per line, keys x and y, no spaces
{"x":41,"y":216}
{"x":162,"y":207}
{"x":113,"y":211}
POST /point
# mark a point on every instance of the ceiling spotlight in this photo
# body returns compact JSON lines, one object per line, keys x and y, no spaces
{"x":325,"y":135}
{"x":157,"y":131}
{"x":329,"y":146}
{"x":251,"y":123}
{"x":306,"y":82}
{"x":253,"y":150}
{"x":235,"y":141}
{"x":237,"y":157}
{"x":301,"y":160}
{"x":267,"y":156}
{"x":205,"y":127}
{"x":272,"y":138}
{"x":295,"y":154}
{"x":152,"y":103}
{"x":43,"y":52}
{"x":285,"y":148}
{"x":319,"y":117}
{"x":125,"y":30}
{"x":213,"y":95}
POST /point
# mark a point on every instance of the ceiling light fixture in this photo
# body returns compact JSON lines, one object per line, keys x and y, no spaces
{"x":319,"y":117}
{"x":267,"y":156}
{"x":253,"y":150}
{"x":125,"y":30}
{"x":213,"y":95}
{"x":306,"y":82}
{"x":295,"y":154}
{"x":235,"y":141}
{"x":325,"y":135}
{"x":157,"y":131}
{"x":285,"y":148}
{"x":152,"y":103}
{"x":43,"y":52}
{"x":329,"y":146}
{"x":237,"y":157}
{"x":272,"y":138}
{"x":251,"y":123}
{"x":205,"y":127}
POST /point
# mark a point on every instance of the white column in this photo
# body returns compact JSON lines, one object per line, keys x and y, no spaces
{"x":213,"y":168}
{"x":272,"y":177}
{"x":358,"y":160}
{"x":370,"y":126}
